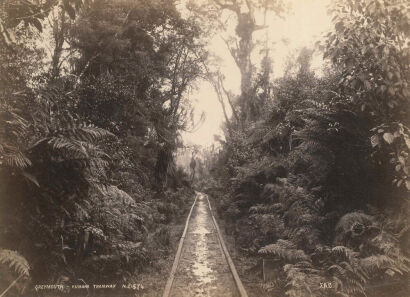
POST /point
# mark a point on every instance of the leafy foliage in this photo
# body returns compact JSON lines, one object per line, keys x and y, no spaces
{"x":321,"y":182}
{"x":12,"y":126}
{"x":15,"y":262}
{"x":32,"y":14}
{"x":12,"y":264}
{"x":87,"y":173}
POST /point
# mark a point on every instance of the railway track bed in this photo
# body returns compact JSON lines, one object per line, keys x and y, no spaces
{"x":202,"y":265}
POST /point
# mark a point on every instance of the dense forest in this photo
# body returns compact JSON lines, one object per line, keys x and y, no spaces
{"x":88,"y":131}
{"x":313,"y":171}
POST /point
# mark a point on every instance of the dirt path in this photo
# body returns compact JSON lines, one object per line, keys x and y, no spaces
{"x":203,"y":269}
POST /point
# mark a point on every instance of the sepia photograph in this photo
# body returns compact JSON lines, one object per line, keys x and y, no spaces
{"x":204,"y":148}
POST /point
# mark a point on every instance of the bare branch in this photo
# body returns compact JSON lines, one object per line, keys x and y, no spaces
{"x":233,"y":7}
{"x":220,"y":99}
{"x":217,"y":88}
{"x":233,"y":51}
{"x":228,"y":96}
{"x":260,"y":27}
{"x":250,"y":7}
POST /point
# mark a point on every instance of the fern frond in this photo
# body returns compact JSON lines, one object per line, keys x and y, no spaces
{"x":115,"y":194}
{"x":13,"y":129}
{"x":80,"y":212}
{"x":73,"y":148}
{"x":357,"y":273}
{"x":16,"y":159}
{"x":91,"y":133}
{"x":97,"y":232}
{"x":337,"y":268}
{"x":345,"y":251}
{"x":15,"y":261}
{"x":302,"y":280}
{"x":376,"y":262}
{"x":285,"y":250}
{"x":76,"y":148}
{"x":348,"y":220}
{"x":265,"y":209}
{"x":387,"y":243}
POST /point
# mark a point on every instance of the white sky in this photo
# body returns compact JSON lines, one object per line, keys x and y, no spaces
{"x":303,"y":26}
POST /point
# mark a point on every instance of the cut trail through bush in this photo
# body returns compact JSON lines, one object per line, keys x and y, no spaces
{"x":202,"y":268}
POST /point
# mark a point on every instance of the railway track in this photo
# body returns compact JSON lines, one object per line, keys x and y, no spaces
{"x":202,"y":265}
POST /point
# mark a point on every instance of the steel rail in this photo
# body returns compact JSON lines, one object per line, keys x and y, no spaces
{"x":170,"y":280}
{"x":238,"y":282}
{"x":235,"y":275}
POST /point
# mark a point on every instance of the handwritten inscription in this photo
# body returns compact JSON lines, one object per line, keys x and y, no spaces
{"x":133,"y":287}
{"x":49,"y":287}
{"x":112,"y":286}
{"x":87,"y":287}
{"x":327,"y":285}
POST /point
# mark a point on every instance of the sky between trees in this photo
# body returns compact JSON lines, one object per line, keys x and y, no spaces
{"x":302,"y":26}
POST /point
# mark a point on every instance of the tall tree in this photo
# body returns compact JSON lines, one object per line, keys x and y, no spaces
{"x":242,"y":45}
{"x":153,"y":55}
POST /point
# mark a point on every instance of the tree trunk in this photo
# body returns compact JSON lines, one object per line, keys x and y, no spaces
{"x":59,"y":30}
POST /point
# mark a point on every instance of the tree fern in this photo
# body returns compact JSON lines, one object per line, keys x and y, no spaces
{"x":348,"y":221}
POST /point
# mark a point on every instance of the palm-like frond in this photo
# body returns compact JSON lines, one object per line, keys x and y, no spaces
{"x":15,"y":158}
{"x":285,"y":250}
{"x":344,"y":251}
{"x":303,"y":280}
{"x":73,"y":148}
{"x":12,"y":129}
{"x":376,"y":262}
{"x":15,"y":262}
